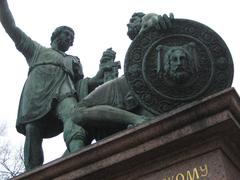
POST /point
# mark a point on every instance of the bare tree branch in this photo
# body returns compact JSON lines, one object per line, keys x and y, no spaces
{"x":11,"y":158}
{"x":3,"y":128}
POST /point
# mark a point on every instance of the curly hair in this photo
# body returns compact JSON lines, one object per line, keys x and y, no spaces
{"x":135,"y":27}
{"x":58,"y":31}
{"x":138,"y":14}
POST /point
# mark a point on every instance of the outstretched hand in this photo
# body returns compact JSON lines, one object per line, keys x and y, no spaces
{"x":165,"y":22}
{"x":160,"y":22}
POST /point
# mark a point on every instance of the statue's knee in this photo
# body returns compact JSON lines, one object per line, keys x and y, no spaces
{"x":79,"y":116}
{"x":73,"y":131}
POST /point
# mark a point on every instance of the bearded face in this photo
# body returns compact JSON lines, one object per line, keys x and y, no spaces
{"x":178,"y":64}
{"x":179,"y":69}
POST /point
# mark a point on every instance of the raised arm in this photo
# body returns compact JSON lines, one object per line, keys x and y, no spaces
{"x":23,"y":43}
{"x":8,"y":22}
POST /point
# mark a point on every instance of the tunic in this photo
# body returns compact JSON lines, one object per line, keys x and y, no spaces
{"x":115,"y":93}
{"x":50,"y":79}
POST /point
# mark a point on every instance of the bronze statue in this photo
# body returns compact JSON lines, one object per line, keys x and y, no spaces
{"x":49,"y":95}
{"x":169,"y":63}
{"x":116,"y":93}
{"x":49,"y":91}
{"x":55,"y":84}
{"x":160,"y":74}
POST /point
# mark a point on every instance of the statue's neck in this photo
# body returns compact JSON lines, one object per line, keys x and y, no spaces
{"x":61,"y":52}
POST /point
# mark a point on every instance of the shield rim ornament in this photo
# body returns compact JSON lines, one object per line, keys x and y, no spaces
{"x":216,"y":65}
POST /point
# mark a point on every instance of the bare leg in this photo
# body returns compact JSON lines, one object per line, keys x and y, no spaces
{"x":105,"y":116}
{"x":33,"y":153}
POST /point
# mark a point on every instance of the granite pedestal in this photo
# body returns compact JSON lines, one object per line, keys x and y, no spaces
{"x":200,"y":140}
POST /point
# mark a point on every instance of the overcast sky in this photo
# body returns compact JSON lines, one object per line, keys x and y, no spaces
{"x":98,"y":25}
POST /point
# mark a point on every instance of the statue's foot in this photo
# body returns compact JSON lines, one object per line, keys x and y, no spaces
{"x":141,"y":120}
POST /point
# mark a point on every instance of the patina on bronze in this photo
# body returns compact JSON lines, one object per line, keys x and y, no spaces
{"x":165,"y":70}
